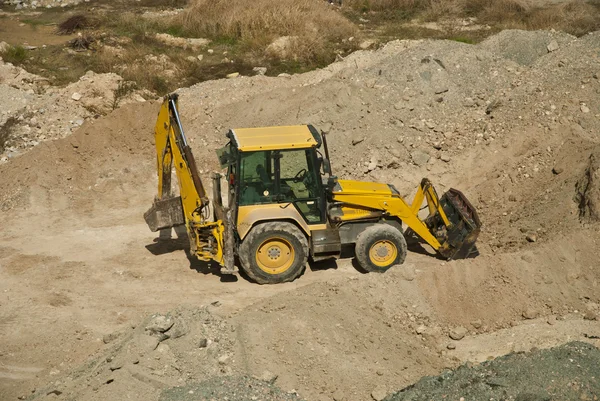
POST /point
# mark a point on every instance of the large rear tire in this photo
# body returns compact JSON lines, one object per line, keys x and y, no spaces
{"x":274,"y":252}
{"x":380,"y":247}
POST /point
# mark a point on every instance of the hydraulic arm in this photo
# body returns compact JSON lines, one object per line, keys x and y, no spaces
{"x":191,"y":207}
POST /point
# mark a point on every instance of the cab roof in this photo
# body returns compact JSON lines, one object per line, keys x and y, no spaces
{"x":275,"y":138}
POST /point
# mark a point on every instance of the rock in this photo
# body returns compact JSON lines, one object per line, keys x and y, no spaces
{"x":468,"y":102}
{"x":379,"y":394}
{"x":325,"y":128}
{"x":494,"y":104}
{"x":551,"y":320}
{"x":338,"y":395}
{"x":179,"y":329}
{"x":76,"y":96}
{"x":191,"y":59}
{"x":419,"y":157}
{"x":394,"y":163}
{"x":408,"y":272}
{"x":186,"y":43}
{"x":371,"y":166}
{"x":281,"y":47}
{"x":200,"y":57}
{"x":365,"y":44}
{"x":476,"y":324}
{"x":356,"y":141}
{"x":530,"y":313}
{"x":421,"y":329}
{"x":527,"y":258}
{"x":585,"y":109}
{"x":458,"y":333}
{"x":223,"y":359}
{"x":440,"y":90}
{"x":232,"y":75}
{"x":532,"y":237}
{"x":268,"y":377}
{"x":159,"y":324}
{"x":146,"y":343}
{"x":445,"y":157}
{"x":589,"y":315}
{"x":260,"y":70}
{"x":4,"y":47}
{"x":108,"y":338}
{"x":552,"y":46}
{"x":210,"y":51}
{"x":163,"y":348}
{"x":557,"y":170}
{"x":203,"y":343}
{"x":451,"y":346}
{"x":115,"y":365}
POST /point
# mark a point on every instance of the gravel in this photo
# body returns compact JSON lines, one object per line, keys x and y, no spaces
{"x":239,"y":388}
{"x":568,"y":372}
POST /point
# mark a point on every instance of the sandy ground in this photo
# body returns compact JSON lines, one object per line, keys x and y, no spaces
{"x":78,"y":264}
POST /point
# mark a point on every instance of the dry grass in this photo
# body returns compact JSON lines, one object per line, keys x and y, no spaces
{"x":576,"y":16}
{"x":73,"y":24}
{"x":316,"y":26}
{"x":412,"y":6}
{"x":14,"y":54}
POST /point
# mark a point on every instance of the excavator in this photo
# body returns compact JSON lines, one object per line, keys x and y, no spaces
{"x":285,"y":205}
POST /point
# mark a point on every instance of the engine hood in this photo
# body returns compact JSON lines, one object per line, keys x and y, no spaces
{"x":351,"y":187}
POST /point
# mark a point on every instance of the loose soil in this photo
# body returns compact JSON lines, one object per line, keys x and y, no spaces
{"x":82,"y":279}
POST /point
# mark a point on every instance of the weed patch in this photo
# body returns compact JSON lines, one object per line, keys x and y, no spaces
{"x":14,"y":54}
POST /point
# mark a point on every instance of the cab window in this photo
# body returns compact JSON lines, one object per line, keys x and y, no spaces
{"x":282,"y":176}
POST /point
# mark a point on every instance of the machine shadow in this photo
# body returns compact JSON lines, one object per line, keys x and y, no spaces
{"x":165,"y":243}
{"x":327,"y":264}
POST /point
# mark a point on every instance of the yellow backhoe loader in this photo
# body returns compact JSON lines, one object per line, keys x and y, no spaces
{"x":285,"y":205}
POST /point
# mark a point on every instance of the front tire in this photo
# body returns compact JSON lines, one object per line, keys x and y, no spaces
{"x":274,"y":252}
{"x":380,"y":247}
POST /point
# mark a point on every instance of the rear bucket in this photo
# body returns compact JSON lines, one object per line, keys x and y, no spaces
{"x":165,"y":213}
{"x":465,"y":226}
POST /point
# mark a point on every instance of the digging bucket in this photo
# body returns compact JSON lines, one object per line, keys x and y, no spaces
{"x":464,"y":226}
{"x":165,"y":213}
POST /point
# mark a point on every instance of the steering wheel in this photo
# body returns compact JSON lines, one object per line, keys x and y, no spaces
{"x":300,"y":175}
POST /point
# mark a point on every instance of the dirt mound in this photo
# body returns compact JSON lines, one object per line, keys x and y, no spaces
{"x":568,"y":372}
{"x":525,"y":47}
{"x":165,"y":350}
{"x":33,"y":112}
{"x":346,"y":337}
{"x":95,"y":165}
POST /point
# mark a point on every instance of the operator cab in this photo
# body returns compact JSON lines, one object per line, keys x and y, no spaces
{"x":277,"y":165}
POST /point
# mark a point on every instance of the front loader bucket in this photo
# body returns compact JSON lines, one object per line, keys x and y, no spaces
{"x":165,"y":213}
{"x":464,"y":226}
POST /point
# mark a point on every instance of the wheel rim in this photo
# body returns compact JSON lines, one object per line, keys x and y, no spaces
{"x":275,"y":256}
{"x":383,"y":253}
